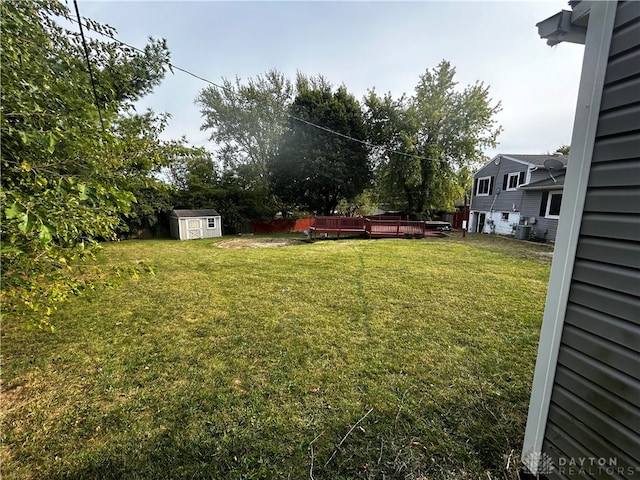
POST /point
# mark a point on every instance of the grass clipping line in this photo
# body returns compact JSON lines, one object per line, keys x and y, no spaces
{"x":345,"y":437}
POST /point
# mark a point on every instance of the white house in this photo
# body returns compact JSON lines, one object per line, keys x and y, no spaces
{"x":195,"y":224}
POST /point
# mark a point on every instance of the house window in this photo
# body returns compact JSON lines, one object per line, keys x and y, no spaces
{"x":505,"y":216}
{"x":553,"y":205}
{"x":513,"y":181}
{"x":484,"y":185}
{"x":211,"y":223}
{"x":550,"y":206}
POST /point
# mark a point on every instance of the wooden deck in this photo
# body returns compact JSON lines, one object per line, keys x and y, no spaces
{"x":375,"y":227}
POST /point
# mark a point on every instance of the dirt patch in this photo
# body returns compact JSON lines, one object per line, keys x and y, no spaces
{"x":258,"y":243}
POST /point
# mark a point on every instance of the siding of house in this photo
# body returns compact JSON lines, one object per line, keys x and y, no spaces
{"x":595,"y":401}
{"x":494,"y":204}
{"x":538,"y":174}
{"x":530,"y":208}
{"x":505,"y":199}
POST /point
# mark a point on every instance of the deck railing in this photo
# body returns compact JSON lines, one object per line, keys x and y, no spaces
{"x":396,"y":228}
{"x":373,"y":227}
{"x":338,"y":223}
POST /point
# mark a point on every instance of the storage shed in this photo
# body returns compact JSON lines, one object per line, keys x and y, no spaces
{"x":584,"y":413}
{"x":195,"y":224}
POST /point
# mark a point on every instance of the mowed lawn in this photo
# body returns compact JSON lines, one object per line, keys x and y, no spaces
{"x":407,"y":359}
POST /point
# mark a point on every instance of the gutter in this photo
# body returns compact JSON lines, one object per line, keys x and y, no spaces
{"x":542,"y":188}
{"x":559,"y":28}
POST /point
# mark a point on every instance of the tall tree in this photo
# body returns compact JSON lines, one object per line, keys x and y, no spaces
{"x":247,"y":120}
{"x":430,"y":139}
{"x":319,"y":167}
{"x":67,"y":167}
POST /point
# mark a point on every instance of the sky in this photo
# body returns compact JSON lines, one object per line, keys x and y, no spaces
{"x":362,"y":45}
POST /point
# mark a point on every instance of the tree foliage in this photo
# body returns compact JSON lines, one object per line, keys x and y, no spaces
{"x":247,"y":120}
{"x":68,"y":176}
{"x":233,"y":192}
{"x":316,"y":168}
{"x":147,"y":159}
{"x":430,"y":141}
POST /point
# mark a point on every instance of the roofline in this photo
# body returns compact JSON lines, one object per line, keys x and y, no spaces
{"x":538,"y":167}
{"x":561,"y":27}
{"x":174,"y":214}
{"x":519,"y":161}
{"x":501,"y":155}
{"x":541,"y":188}
{"x":532,"y":166}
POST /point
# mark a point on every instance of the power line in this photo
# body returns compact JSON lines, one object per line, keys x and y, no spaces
{"x":86,"y":56}
{"x":232,"y":92}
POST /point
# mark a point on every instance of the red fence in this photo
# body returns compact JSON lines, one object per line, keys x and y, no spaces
{"x":460,"y":216}
{"x":282,"y":225}
{"x":377,"y":226}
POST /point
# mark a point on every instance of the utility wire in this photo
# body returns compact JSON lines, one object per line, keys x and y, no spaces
{"x":232,"y":92}
{"x":86,"y":56}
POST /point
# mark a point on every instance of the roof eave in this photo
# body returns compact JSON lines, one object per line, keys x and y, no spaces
{"x":517,"y":160}
{"x":542,"y":188}
{"x":561,"y":28}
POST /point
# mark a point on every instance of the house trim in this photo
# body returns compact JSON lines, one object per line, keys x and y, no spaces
{"x":522,"y":162}
{"x":547,"y":213}
{"x":515,"y":175}
{"x":541,"y":188}
{"x":597,"y":44}
{"x":480,"y":179}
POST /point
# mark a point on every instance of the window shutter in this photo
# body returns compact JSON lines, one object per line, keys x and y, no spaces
{"x":475,"y":187}
{"x":505,"y":181}
{"x":522,"y":178}
{"x":543,"y":205}
{"x":491,"y":185}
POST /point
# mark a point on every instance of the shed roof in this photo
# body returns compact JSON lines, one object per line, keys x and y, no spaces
{"x":205,"y":212}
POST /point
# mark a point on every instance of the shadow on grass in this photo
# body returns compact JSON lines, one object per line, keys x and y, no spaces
{"x":418,"y":439}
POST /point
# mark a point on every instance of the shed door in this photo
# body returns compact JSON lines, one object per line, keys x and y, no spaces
{"x":194,"y":228}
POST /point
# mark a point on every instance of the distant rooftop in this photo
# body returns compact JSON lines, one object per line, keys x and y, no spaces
{"x":550,"y":183}
{"x":196,"y":213}
{"x":536,"y":159}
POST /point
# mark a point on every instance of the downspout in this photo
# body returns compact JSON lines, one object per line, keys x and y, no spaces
{"x":496,"y":191}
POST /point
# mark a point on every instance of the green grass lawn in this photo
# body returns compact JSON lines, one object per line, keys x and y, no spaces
{"x":342,"y":359}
